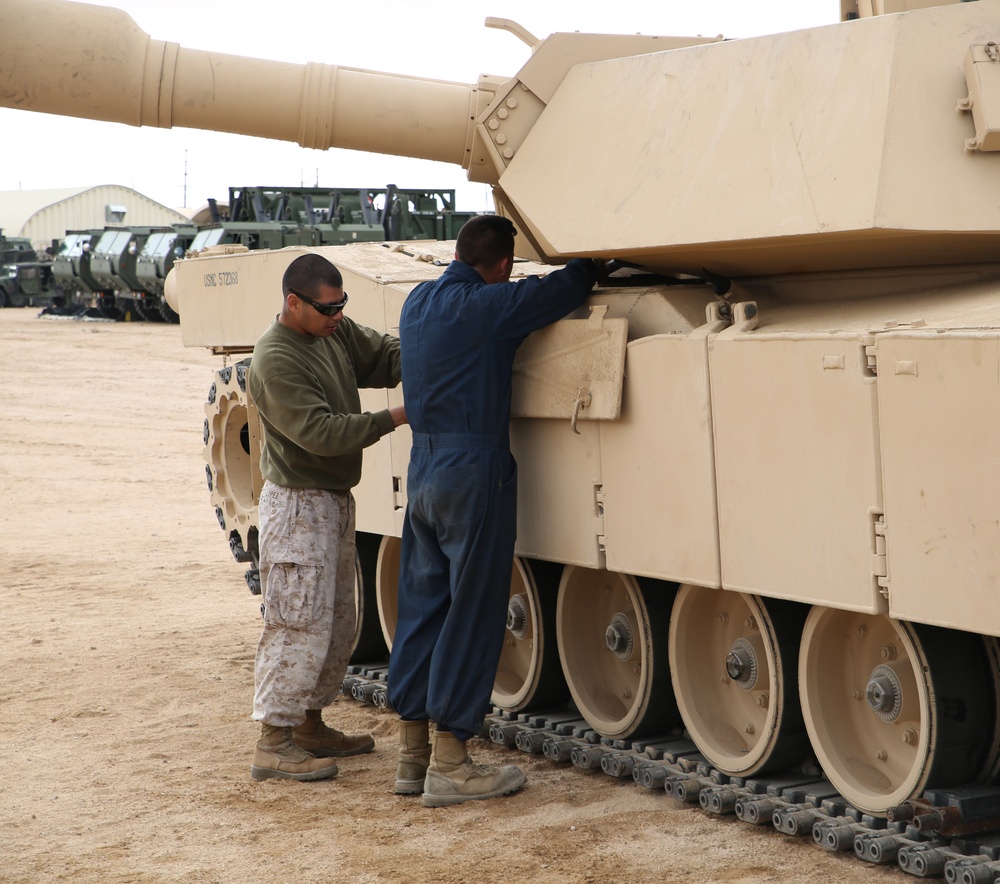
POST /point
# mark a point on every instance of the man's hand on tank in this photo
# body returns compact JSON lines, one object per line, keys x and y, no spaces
{"x":604,"y":269}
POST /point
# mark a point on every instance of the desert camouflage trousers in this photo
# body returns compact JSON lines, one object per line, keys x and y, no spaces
{"x":307,"y":571}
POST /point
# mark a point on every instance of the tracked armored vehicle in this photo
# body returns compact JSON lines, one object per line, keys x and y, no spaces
{"x":759,"y":495}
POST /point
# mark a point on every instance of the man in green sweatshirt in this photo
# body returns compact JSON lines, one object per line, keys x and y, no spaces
{"x":304,"y":378}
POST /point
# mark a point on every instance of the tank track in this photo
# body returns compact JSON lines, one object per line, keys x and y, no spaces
{"x":954,"y":834}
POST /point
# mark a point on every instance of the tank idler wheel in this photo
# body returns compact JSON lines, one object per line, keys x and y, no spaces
{"x":612,"y":635}
{"x":226,"y":434}
{"x":894,"y":708}
{"x":733,"y":661}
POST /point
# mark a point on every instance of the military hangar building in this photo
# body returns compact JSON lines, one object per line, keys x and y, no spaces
{"x":45,"y":215}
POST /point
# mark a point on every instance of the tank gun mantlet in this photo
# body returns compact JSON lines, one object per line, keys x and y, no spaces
{"x":515,"y":104}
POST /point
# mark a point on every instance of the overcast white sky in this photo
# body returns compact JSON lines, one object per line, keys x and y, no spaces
{"x":442,"y":39}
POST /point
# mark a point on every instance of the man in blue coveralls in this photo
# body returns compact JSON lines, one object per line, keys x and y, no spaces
{"x":458,"y":336}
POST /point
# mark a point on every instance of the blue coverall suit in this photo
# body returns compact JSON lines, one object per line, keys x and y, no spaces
{"x":458,"y":336}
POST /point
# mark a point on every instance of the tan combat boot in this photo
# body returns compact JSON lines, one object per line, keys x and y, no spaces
{"x":277,"y":757}
{"x":453,"y":777}
{"x":326,"y":742}
{"x":414,"y":756}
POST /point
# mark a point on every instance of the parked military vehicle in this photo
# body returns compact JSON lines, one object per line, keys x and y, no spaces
{"x":351,"y":214}
{"x":71,"y":270}
{"x":27,"y":284}
{"x":113,"y":265}
{"x":14,"y":248}
{"x":155,"y":259}
{"x":25,"y":276}
{"x":277,"y":217}
{"x":758,"y":482}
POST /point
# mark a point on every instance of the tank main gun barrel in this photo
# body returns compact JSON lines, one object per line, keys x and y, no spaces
{"x":104,"y":67}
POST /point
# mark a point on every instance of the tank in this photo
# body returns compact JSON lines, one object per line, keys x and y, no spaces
{"x":758,"y":483}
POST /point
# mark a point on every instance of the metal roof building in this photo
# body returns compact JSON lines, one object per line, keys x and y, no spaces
{"x":44,"y":215}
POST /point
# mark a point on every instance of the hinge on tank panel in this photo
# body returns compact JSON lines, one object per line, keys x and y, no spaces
{"x":880,"y":567}
{"x":397,"y":493}
{"x":599,"y":517}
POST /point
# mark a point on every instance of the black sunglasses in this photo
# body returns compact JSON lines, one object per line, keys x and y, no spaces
{"x":325,"y":309}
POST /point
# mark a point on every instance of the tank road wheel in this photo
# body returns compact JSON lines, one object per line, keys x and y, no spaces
{"x":528,"y":673}
{"x":368,"y":644}
{"x":387,"y":586}
{"x":612,"y":635}
{"x":733,"y":661}
{"x":894,"y":708}
{"x":227,"y":453}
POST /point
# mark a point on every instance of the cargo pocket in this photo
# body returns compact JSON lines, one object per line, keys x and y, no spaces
{"x":293,"y":598}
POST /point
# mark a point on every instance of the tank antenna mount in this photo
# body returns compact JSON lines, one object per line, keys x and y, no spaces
{"x":522,"y":34}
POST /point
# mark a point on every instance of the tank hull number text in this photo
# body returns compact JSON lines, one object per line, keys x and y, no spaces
{"x":222,"y":278}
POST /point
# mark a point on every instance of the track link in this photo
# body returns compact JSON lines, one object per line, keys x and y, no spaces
{"x":954,"y":834}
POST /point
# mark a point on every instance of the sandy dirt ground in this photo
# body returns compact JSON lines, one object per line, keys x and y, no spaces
{"x":127,"y":647}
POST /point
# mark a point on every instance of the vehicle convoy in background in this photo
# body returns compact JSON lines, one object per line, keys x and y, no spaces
{"x":758,"y":476}
{"x":119,"y":272}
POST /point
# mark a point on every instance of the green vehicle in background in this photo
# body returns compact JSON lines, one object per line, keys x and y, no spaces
{"x":113,"y":264}
{"x":25,"y":276}
{"x":74,"y":283}
{"x":276,"y":217}
{"x":155,"y":259}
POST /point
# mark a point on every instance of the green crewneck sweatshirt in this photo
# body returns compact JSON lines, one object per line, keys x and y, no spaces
{"x":306,"y":389}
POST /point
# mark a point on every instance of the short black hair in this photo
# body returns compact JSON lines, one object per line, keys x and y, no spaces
{"x":307,"y":273}
{"x":484,"y":240}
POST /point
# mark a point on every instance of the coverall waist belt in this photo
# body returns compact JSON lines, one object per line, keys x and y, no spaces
{"x":458,"y":440}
